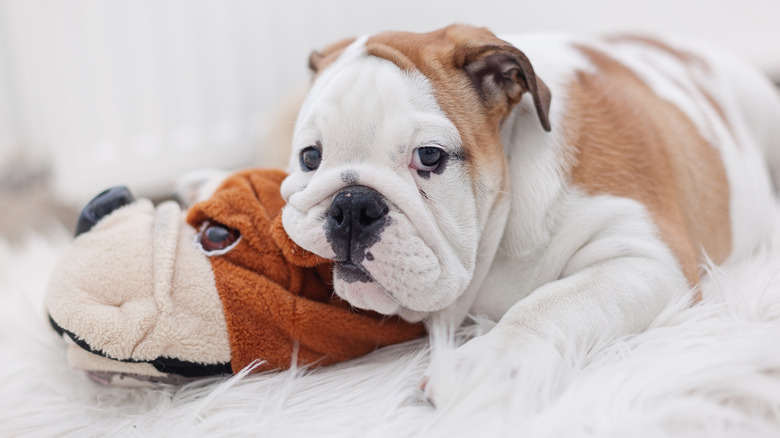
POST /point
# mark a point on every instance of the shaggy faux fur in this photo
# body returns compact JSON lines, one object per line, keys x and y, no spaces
{"x":709,"y":370}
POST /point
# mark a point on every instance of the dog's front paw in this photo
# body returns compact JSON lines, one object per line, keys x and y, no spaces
{"x":454,"y":374}
{"x":486,"y":368}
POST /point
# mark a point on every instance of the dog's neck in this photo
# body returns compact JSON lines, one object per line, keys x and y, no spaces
{"x":534,"y":191}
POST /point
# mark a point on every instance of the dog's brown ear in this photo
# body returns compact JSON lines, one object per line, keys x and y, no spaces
{"x":318,"y":60}
{"x":502,"y":74}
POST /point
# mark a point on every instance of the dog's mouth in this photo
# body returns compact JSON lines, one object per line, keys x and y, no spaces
{"x":351,"y":272}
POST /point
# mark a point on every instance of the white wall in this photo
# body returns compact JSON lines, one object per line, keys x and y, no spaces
{"x":9,"y":145}
{"x":136,"y":92}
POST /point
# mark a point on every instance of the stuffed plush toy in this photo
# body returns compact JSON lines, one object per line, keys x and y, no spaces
{"x":163,"y":295}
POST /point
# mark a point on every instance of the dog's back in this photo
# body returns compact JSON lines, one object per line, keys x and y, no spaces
{"x":686,"y":130}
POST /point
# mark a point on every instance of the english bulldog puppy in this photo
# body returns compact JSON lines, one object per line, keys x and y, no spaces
{"x":565,"y":186}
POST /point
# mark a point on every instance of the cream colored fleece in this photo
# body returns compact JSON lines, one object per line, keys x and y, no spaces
{"x":137,"y":288}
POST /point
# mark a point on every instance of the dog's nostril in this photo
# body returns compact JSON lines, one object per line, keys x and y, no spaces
{"x":336,"y":213}
{"x":371,"y":213}
{"x":101,"y":206}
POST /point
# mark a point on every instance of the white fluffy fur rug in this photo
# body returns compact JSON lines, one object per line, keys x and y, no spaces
{"x":711,"y":370}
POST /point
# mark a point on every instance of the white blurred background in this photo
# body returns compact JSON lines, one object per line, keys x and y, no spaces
{"x":96,"y":93}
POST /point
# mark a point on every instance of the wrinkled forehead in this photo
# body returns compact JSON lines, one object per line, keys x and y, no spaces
{"x":386,"y":76}
{"x":349,"y":98}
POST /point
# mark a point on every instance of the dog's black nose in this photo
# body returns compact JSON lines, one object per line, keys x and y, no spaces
{"x":356,"y":218}
{"x":100,"y":206}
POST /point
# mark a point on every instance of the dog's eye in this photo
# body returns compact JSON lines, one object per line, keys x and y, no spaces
{"x":427,"y":158}
{"x":311,"y":157}
{"x":217,"y":239}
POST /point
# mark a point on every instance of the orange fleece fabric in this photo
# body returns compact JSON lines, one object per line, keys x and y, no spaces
{"x":276,"y":296}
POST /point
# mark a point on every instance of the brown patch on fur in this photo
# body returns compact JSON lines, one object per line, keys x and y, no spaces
{"x":320,"y":60}
{"x":696,"y":96}
{"x":683,"y":56}
{"x":440,"y":56}
{"x":690,"y":60}
{"x":629,"y":142}
{"x":718,"y":109}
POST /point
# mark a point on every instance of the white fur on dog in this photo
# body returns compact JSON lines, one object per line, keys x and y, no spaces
{"x":707,"y":371}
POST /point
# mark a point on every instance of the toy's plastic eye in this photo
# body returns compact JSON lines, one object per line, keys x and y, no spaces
{"x":217,"y":239}
{"x":311,"y":156}
{"x":427,"y":158}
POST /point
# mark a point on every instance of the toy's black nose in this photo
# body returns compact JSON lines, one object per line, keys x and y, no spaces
{"x":356,"y":218}
{"x":100,"y":206}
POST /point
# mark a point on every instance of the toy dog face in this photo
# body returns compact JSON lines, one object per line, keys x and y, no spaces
{"x":161,"y":294}
{"x":134,"y":296}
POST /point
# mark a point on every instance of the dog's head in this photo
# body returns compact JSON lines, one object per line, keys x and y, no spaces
{"x":398,"y":163}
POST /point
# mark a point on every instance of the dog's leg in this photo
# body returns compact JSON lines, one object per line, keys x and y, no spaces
{"x":618,"y":279}
{"x":604,"y":301}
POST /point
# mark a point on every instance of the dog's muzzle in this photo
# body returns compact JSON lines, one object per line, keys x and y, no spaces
{"x":355,"y":221}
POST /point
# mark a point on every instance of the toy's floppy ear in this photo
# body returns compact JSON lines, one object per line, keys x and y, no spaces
{"x":292,"y":252}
